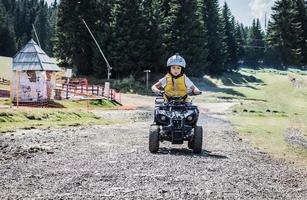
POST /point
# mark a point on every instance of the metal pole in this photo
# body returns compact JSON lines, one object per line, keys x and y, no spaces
{"x":39,"y":44}
{"x":147,"y":80}
{"x":147,"y":77}
{"x":108,"y":65}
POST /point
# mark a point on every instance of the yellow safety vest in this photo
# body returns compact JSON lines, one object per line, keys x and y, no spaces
{"x":175,"y":87}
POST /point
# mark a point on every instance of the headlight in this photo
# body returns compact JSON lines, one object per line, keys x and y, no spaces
{"x":188,"y":114}
{"x":161,"y":117}
{"x":191,"y":117}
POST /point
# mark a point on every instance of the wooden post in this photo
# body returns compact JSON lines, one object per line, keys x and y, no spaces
{"x":11,"y":94}
{"x":17,"y":90}
{"x":67,"y":91}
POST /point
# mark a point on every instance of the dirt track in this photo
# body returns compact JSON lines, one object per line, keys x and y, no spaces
{"x":113,"y":162}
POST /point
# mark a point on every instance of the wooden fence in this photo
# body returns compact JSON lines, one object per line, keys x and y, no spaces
{"x":67,"y":91}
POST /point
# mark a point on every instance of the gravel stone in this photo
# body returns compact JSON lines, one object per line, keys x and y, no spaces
{"x":295,"y":137}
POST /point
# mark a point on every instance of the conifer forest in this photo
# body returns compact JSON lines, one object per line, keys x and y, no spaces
{"x":141,"y":34}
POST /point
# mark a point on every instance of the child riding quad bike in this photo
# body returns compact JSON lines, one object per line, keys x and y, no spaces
{"x":175,"y":121}
{"x":175,"y":117}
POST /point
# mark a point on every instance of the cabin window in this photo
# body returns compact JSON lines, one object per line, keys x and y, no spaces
{"x":31,"y":76}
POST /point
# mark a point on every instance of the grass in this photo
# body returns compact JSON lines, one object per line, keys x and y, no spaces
{"x":11,"y":120}
{"x":268,"y":104}
{"x":5,"y":102}
{"x":73,"y":113}
{"x":88,"y":104}
{"x":4,"y":87}
{"x":266,"y":133}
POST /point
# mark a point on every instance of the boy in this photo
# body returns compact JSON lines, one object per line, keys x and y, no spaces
{"x":175,"y":83}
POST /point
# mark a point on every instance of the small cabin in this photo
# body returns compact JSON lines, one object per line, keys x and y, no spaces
{"x":33,"y":77}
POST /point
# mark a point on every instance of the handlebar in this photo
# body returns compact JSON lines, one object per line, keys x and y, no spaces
{"x":161,"y":93}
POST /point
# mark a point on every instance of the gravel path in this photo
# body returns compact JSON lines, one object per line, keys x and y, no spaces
{"x":113,"y":162}
{"x":295,"y":137}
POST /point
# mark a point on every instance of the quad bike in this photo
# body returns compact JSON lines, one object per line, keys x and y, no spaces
{"x":175,"y":121}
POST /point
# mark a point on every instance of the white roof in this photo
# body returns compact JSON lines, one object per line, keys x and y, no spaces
{"x":32,"y":57}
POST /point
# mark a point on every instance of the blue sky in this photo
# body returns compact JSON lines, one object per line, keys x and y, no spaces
{"x":245,"y":10}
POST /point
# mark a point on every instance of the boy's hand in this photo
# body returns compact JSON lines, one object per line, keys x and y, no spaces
{"x":157,"y":91}
{"x":197,"y":92}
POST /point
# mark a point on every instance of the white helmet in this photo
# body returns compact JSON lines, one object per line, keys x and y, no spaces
{"x":176,"y":60}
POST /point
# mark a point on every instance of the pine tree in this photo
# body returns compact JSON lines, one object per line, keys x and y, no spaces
{"x":285,"y":34}
{"x":53,"y":15}
{"x":74,"y":45}
{"x":53,"y":18}
{"x":305,"y":38}
{"x":2,"y":14}
{"x":43,"y":28}
{"x":186,"y":35}
{"x":7,"y":35}
{"x":170,"y":10}
{"x":155,"y":51}
{"x":301,"y":17}
{"x":212,"y":21}
{"x":18,"y":23}
{"x":129,"y":50}
{"x":7,"y":5}
{"x":228,"y":25}
{"x":241,"y":40}
{"x":103,"y":38}
{"x":24,"y":15}
{"x":298,"y":26}
{"x":7,"y":42}
{"x":255,"y":45}
{"x":190,"y":37}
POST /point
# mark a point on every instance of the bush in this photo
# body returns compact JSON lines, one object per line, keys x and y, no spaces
{"x":129,"y":85}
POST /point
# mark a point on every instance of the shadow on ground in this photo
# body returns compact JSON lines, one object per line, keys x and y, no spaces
{"x":233,"y":79}
{"x":236,"y":78}
{"x":188,"y":152}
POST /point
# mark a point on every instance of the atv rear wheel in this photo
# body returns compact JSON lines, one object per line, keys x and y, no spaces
{"x":198,"y":139}
{"x":153,"y":139}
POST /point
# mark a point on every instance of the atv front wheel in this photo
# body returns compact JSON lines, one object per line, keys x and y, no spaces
{"x":154,"y":139}
{"x":198,"y":139}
